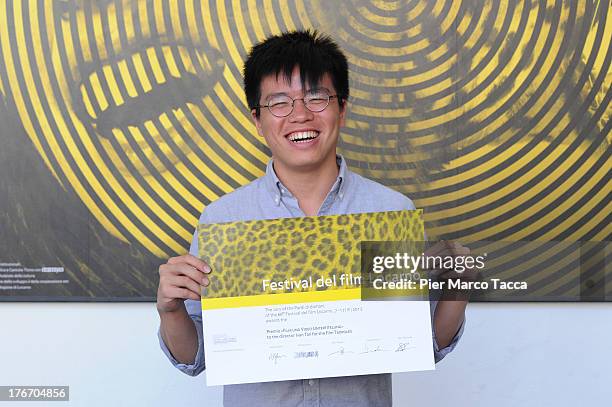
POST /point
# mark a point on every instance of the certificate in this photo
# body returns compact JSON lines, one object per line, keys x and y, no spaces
{"x":285,"y":301}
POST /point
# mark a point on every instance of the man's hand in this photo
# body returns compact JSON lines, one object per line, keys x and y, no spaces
{"x":445,"y":248}
{"x":450,"y":310}
{"x":181,"y":278}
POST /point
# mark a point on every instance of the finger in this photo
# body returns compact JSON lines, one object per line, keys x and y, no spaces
{"x":453,"y":248}
{"x":192,"y":261}
{"x":447,"y":248}
{"x":436,"y":249}
{"x":180,"y":293}
{"x":183,"y":269}
{"x":183,"y":282}
{"x":452,"y":274}
{"x":457,"y":249}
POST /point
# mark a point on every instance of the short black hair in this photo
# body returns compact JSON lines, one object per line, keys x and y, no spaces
{"x":315,"y":54}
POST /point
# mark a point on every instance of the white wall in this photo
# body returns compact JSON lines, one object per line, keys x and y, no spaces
{"x":511,"y":355}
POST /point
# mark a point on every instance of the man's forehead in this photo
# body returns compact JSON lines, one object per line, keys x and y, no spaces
{"x":279,"y":83}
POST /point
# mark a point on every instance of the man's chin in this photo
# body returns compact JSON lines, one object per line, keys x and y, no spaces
{"x":301,"y":163}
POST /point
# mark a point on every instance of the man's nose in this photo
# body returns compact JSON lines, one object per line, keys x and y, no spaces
{"x":300,"y":113}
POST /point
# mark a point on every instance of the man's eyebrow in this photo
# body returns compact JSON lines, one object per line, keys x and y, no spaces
{"x":318,"y":88}
{"x":276,"y":94}
{"x":286,"y":94}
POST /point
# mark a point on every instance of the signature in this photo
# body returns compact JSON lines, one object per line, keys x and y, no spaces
{"x":402,"y":347}
{"x":341,"y":351}
{"x":275,"y":357}
{"x":372,"y":350}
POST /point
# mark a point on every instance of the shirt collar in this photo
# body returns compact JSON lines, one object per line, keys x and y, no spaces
{"x":277,"y":189}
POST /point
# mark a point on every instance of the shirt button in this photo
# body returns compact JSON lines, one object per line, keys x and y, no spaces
{"x":311,"y":382}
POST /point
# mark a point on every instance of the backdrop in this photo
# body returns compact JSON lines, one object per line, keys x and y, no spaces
{"x":121,"y":120}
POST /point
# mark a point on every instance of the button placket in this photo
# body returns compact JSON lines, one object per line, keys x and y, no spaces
{"x":311,"y":393}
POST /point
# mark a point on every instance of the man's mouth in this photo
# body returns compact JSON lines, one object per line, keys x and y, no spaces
{"x":303,"y":136}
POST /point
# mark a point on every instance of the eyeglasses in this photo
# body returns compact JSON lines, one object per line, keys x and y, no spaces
{"x":282,"y":105}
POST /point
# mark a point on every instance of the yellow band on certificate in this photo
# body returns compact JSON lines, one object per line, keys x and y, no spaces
{"x":316,"y":257}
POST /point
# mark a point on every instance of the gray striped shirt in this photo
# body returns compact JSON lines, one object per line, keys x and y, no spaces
{"x":268,"y":198}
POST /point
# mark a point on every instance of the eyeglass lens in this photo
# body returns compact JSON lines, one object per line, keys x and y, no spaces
{"x":315,"y":101}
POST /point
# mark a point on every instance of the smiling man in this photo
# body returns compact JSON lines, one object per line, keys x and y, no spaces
{"x":301,"y":127}
{"x":297,"y":86}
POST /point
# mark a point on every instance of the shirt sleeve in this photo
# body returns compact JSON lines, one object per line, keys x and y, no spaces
{"x":194,"y":309}
{"x":439,"y":354}
{"x":198,"y":365}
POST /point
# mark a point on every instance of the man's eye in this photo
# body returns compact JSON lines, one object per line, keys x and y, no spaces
{"x":279,"y":104}
{"x":316,"y":101}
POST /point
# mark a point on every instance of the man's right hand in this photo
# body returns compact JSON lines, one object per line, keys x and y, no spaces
{"x":181,"y":278}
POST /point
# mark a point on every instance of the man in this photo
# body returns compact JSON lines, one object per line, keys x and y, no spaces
{"x":296,"y":85}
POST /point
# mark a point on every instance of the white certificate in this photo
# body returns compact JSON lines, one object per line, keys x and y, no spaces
{"x":316,"y":339}
{"x":285,"y":301}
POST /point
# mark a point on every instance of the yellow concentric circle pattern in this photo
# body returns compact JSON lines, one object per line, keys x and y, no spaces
{"x":491,"y":115}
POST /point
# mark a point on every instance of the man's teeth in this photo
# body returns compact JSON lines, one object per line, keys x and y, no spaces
{"x":303,"y":136}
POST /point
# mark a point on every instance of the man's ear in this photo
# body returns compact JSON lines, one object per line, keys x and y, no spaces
{"x":257,"y":122}
{"x":343,"y":107}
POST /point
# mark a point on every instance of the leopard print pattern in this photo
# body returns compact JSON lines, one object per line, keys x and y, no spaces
{"x":243,"y":254}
